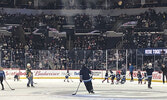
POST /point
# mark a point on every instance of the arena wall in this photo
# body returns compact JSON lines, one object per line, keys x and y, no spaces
{"x":74,"y":74}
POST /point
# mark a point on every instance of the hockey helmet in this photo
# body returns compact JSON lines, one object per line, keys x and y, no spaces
{"x":28,"y":64}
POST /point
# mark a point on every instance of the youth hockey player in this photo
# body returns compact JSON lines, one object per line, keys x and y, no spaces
{"x":106,"y":77}
{"x":123,"y":80}
{"x":112,"y":77}
{"x":118,"y":77}
{"x":2,"y":77}
{"x":16,"y":77}
{"x":123,"y":75}
{"x":139,"y":76}
{"x":29,"y":75}
{"x":86,"y":78}
{"x":149,"y":71}
{"x":67,"y":76}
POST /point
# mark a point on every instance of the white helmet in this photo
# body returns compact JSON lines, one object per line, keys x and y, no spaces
{"x":28,"y":64}
{"x":150,"y":64}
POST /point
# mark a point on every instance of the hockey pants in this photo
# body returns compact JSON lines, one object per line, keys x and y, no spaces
{"x":89,"y":86}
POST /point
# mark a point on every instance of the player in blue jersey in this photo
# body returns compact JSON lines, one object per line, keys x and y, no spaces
{"x":131,"y":68}
{"x":112,"y":77}
{"x":2,"y":77}
{"x":67,"y":76}
{"x":118,"y":77}
{"x":140,"y":78}
{"x":149,"y":71}
{"x":85,"y":76}
{"x":106,"y":77}
{"x":123,"y":75}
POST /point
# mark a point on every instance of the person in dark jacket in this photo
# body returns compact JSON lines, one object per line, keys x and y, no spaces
{"x":145,"y":74}
{"x":2,"y":77}
{"x":123,"y":75}
{"x":145,"y":77}
{"x":149,"y":71}
{"x":118,"y":77}
{"x":164,"y":70}
{"x":85,"y":76}
{"x":16,"y":77}
{"x":131,"y":68}
{"x":112,"y":77}
{"x":106,"y":77}
{"x":139,"y":76}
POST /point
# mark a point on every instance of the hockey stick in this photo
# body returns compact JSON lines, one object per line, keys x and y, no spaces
{"x":9,"y":85}
{"x":77,"y":89}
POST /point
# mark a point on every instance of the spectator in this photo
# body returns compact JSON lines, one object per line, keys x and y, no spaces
{"x":131,"y":68}
{"x":164,"y":70}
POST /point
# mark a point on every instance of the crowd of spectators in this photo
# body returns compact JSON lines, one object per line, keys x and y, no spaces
{"x":33,"y":21}
{"x":87,"y":23}
{"x":148,"y":33}
{"x":147,"y":21}
{"x":145,"y":40}
{"x":92,"y":42}
{"x":15,"y":53}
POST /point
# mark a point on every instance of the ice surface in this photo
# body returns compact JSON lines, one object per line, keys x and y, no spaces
{"x":57,"y":89}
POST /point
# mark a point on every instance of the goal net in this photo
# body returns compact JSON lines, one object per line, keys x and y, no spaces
{"x":11,"y":72}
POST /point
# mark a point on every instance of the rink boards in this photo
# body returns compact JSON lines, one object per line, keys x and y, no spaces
{"x":74,"y":74}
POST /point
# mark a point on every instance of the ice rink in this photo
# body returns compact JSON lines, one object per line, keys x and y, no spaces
{"x":57,"y":89}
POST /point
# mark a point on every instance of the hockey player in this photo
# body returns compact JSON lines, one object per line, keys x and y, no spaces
{"x":16,"y":77}
{"x":29,"y":75}
{"x":123,"y":75}
{"x":85,"y":76}
{"x":139,"y":76}
{"x":145,"y":74}
{"x":149,"y":71}
{"x":118,"y":77}
{"x":112,"y":77}
{"x":2,"y":77}
{"x":123,"y":79}
{"x":106,"y":77}
{"x":145,"y":77}
{"x":67,"y":76}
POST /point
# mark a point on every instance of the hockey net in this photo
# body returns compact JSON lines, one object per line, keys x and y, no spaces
{"x":11,"y":72}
